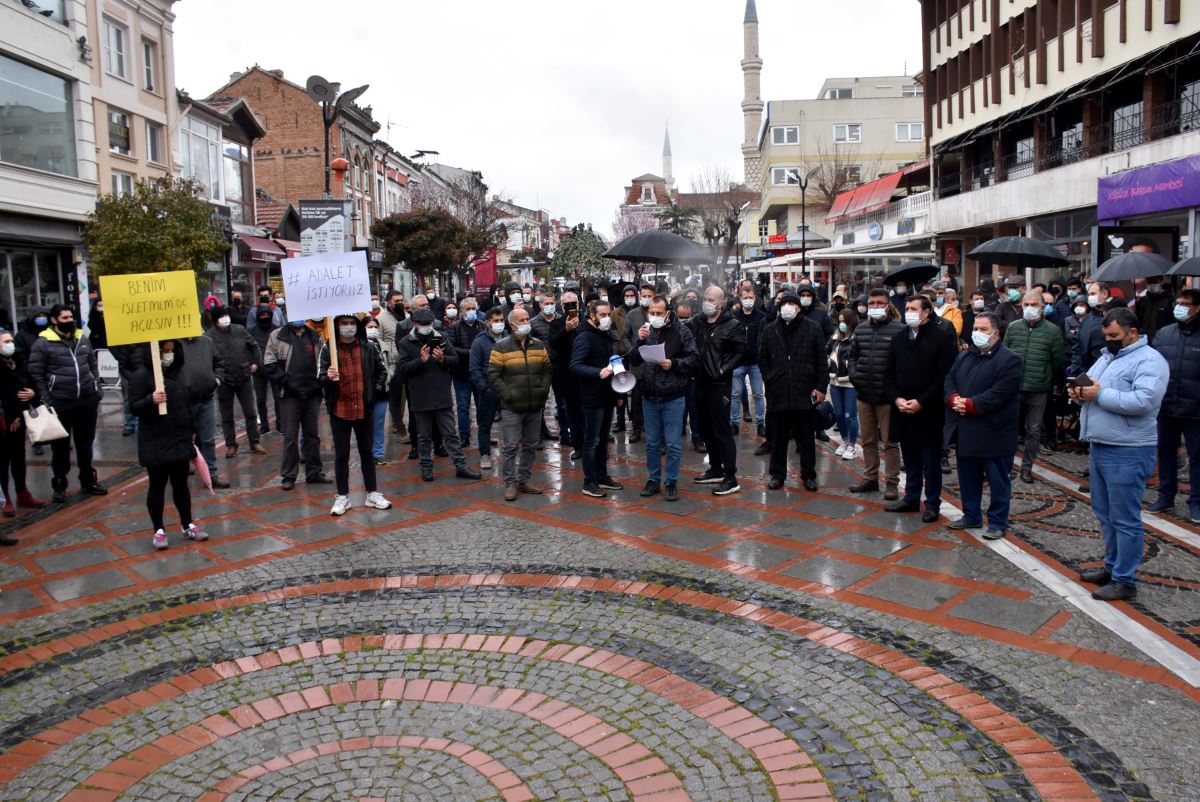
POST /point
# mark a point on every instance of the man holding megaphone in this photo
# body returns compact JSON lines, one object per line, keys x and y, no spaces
{"x":592,"y":365}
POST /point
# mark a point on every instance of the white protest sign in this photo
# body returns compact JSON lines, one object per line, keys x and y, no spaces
{"x":326,"y":284}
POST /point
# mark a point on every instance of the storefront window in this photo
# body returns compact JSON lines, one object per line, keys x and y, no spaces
{"x":36,"y":126}
{"x":28,"y":280}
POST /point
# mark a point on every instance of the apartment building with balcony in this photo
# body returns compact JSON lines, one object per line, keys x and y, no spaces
{"x":1033,"y":106}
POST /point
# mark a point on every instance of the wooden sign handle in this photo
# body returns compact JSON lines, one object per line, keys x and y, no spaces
{"x":332,"y":340}
{"x":156,"y":366}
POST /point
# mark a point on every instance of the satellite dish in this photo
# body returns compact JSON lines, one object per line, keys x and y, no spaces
{"x":320,"y":90}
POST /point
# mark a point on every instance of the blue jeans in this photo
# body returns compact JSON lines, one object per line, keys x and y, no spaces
{"x":1118,"y":475}
{"x":204,"y":414}
{"x":463,"y":392}
{"x":971,"y":473}
{"x":739,"y":389}
{"x":486,"y":404}
{"x":922,"y":467}
{"x":380,"y":412}
{"x":664,"y":429}
{"x":596,"y":423}
{"x":1169,"y":431}
{"x":845,"y":407}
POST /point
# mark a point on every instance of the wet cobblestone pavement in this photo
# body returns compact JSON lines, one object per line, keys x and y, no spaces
{"x":768,"y":645}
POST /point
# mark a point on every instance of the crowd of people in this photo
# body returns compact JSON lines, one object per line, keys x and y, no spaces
{"x":910,"y":374}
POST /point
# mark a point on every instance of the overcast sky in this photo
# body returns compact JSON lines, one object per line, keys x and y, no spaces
{"x":557,"y":103}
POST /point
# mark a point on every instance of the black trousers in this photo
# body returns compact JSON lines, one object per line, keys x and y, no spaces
{"x":301,"y":415}
{"x":262,"y":390}
{"x":712,"y":407}
{"x":177,"y":474}
{"x":364,"y":436}
{"x":79,"y":419}
{"x":243,"y":391}
{"x":781,"y":428}
{"x":634,"y":403}
{"x":12,"y":459}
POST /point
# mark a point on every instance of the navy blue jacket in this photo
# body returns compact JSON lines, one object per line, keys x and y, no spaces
{"x":753,"y":323}
{"x":1179,"y":344}
{"x":992,"y":382}
{"x":590,"y":355}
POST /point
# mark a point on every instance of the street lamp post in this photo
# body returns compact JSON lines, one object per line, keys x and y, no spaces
{"x":803,"y":182}
{"x":327,"y":94}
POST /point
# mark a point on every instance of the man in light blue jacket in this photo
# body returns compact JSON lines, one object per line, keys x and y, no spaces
{"x":1119,"y":421}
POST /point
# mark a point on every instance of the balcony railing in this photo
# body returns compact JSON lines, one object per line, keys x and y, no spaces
{"x":1166,"y":120}
{"x":912,"y":206}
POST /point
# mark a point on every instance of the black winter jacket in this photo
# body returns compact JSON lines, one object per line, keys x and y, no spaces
{"x":754,"y":323}
{"x":163,"y":439}
{"x":28,"y":332}
{"x":561,"y":343}
{"x":236,"y":350}
{"x":461,"y":335}
{"x":721,"y":345}
{"x":916,"y":369}
{"x":199,"y":373}
{"x":817,"y":314}
{"x":992,"y":382}
{"x":591,"y":354}
{"x":429,"y":383}
{"x":14,"y":376}
{"x":655,"y":383}
{"x":868,"y":358}
{"x":63,"y":369}
{"x":793,"y":362}
{"x":1179,"y":344}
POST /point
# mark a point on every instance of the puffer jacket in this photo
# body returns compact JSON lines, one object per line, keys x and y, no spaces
{"x":591,"y":354}
{"x":1132,"y":385}
{"x":63,"y":369}
{"x":1042,"y":353}
{"x":199,"y":373}
{"x":722,"y":346}
{"x":1179,"y":345}
{"x":869,"y":356}
{"x":163,"y":439}
{"x":520,"y":372}
{"x":236,"y":351}
{"x":655,"y":383}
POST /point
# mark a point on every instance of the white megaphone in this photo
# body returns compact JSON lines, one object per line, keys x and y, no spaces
{"x":622,"y":380}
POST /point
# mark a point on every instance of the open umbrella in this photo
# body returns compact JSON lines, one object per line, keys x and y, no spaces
{"x":1018,"y":251}
{"x":1186,"y":267}
{"x":1135,"y":264}
{"x":658,"y":247}
{"x":911,"y":273}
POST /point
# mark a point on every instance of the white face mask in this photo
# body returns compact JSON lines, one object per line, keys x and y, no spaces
{"x":981,"y":340}
{"x":876,"y":314}
{"x":658,"y":321}
{"x":372,"y":334}
{"x":524,"y":329}
{"x":451,"y":313}
{"x":912,"y":319}
{"x":497,"y":327}
{"x":8,"y":349}
{"x":347,"y":331}
{"x":644,"y":302}
{"x":374,"y":303}
{"x":168,"y":360}
{"x":515,"y":298}
{"x":279,"y":301}
{"x":978,"y":304}
{"x":747,"y":303}
{"x":862,"y":310}
{"x":424,"y":331}
{"x":223,"y":322}
{"x":1081,"y":310}
{"x":901,"y":289}
{"x":1181,"y":313}
{"x":548,"y":310}
{"x":100,"y":308}
{"x":1093,"y":301}
{"x":806,"y":300}
{"x":430,"y":293}
{"x":789,"y":311}
{"x":709,"y":309}
{"x":631,"y":302}
{"x":1032,"y":313}
{"x":526,"y":297}
{"x":604,"y":324}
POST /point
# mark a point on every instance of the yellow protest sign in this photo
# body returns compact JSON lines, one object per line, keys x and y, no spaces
{"x":143,"y":307}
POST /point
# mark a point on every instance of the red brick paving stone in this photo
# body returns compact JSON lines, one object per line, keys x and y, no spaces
{"x":393,"y":688}
{"x":415,"y":690}
{"x":366,"y":690}
{"x":341,"y":693}
{"x":245,"y":716}
{"x":629,"y":754}
{"x":473,"y":642}
{"x":85,"y":795}
{"x":645,"y":768}
{"x":610,"y":744}
{"x":111,"y":782}
{"x":269,"y":709}
{"x":527,"y":702}
{"x":292,"y":702}
{"x":439,"y":691}
{"x":461,"y":693}
{"x":804,"y":791}
{"x":506,"y":698}
{"x":316,"y":697}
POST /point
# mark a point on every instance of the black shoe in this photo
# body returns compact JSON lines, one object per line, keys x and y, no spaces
{"x":822,"y":435}
{"x":1027,"y":475}
{"x":440,"y":451}
{"x":699,"y":447}
{"x":126,"y":431}
{"x":762,"y":430}
{"x":575,"y":455}
{"x":318,"y":479}
{"x":945,"y":465}
{"x":220,"y":483}
{"x":710,"y":477}
{"x":1095,"y":576}
{"x":620,"y":427}
{"x":593,"y":490}
{"x":929,"y":516}
{"x":737,"y":429}
{"x":746,"y":417}
{"x":672,"y":492}
{"x":865,"y":486}
{"x":726,"y":487}
{"x":651,"y":489}
{"x":775,"y":483}
{"x":635,"y":436}
{"x":463,"y":472}
{"x":1161,"y":504}
{"x":993,"y":534}
{"x":810,"y":485}
{"x":1084,"y":488}
{"x":94,"y":490}
{"x":5,"y":540}
{"x":427,"y":474}
{"x":1114,"y":591}
{"x":413,"y":454}
{"x":903,"y":506}
{"x":764,"y":448}
{"x":963,"y":523}
{"x":608,"y":483}
{"x":288,"y":484}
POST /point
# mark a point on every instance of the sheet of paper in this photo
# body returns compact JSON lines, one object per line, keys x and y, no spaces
{"x":653,"y":353}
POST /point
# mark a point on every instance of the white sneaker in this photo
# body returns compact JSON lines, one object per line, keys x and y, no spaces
{"x":840,"y":450}
{"x":340,"y":505}
{"x":194,"y":532}
{"x":377,"y":501}
{"x":485,"y":462}
{"x":849,"y":452}
{"x":160,"y":540}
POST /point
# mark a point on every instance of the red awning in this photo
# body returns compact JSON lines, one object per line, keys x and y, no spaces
{"x":881,"y":192}
{"x":872,"y":196}
{"x":261,"y":249}
{"x":916,"y":167}
{"x":839,"y":205}
{"x":291,"y":246}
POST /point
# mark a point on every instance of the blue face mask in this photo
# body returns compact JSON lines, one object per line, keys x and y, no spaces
{"x":41,"y":322}
{"x":297,"y":324}
{"x":1049,"y":309}
{"x":471,"y":316}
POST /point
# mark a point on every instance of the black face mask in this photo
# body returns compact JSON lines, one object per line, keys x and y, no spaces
{"x":264,"y":322}
{"x":264,"y":299}
{"x":65,"y":329}
{"x":237,"y":302}
{"x":1114,"y":346}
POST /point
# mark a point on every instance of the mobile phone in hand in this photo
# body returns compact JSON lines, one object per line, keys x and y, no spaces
{"x":1082,"y":380}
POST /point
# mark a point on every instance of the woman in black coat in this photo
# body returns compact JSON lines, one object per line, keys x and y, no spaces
{"x":16,"y":396}
{"x":165,"y":442}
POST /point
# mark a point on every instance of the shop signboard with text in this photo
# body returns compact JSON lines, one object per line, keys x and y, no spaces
{"x":322,"y":226}
{"x":1147,"y":190}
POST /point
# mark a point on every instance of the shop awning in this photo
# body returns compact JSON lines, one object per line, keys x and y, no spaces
{"x":871,"y":196}
{"x":290,"y":246}
{"x":261,"y":249}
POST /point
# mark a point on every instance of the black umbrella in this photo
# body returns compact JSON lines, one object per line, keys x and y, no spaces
{"x":1135,"y":264}
{"x":1018,"y":252}
{"x":658,"y":247}
{"x":1186,"y":267}
{"x":911,"y":273}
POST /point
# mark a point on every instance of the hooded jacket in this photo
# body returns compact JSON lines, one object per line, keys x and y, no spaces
{"x":374,"y":372}
{"x":721,"y":345}
{"x":163,"y":439}
{"x":236,"y":350}
{"x":1132,"y":385}
{"x":793,"y":362}
{"x":62,"y":369}
{"x":29,"y":331}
